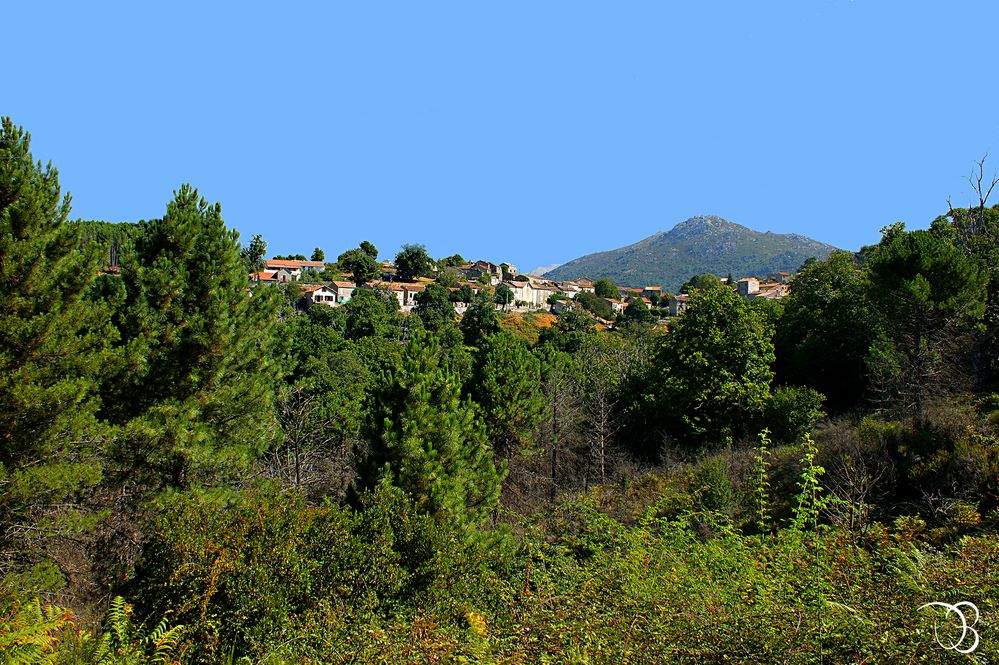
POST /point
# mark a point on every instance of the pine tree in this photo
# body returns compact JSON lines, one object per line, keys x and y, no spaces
{"x":424,"y":439}
{"x":197,"y":395}
{"x":507,"y":386}
{"x":53,"y":344}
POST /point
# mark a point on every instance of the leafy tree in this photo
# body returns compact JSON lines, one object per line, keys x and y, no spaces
{"x":825,"y":331}
{"x":372,"y":313}
{"x":53,"y":348}
{"x":434,"y":307}
{"x":712,"y":371}
{"x":701,"y":283}
{"x":638,"y":312}
{"x":451,"y":261}
{"x":504,"y":295}
{"x":928,"y":295}
{"x":425,"y":440}
{"x":253,"y":254}
{"x":360,"y":264}
{"x":595,"y":304}
{"x":480,"y":319}
{"x":318,"y":254}
{"x":197,"y":393}
{"x":605,"y":288}
{"x":411,"y":262}
{"x":290,"y":257}
{"x":368,"y":249}
{"x":449,"y":277}
{"x":792,"y":413}
{"x":506,"y":386}
{"x":465,"y":294}
{"x":570,"y":332}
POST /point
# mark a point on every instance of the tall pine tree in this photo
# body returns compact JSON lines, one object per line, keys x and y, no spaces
{"x":196,"y":398}
{"x":424,"y":439}
{"x":53,"y":343}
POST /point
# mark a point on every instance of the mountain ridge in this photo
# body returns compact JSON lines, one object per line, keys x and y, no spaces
{"x":699,"y":244}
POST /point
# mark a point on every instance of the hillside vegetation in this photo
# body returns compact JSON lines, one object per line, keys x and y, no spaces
{"x":693,"y":247}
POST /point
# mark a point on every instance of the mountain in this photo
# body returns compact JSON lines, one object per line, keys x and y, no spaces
{"x":703,"y":244}
{"x":541,"y":270}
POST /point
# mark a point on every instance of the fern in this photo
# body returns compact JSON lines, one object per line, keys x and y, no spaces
{"x":31,"y":632}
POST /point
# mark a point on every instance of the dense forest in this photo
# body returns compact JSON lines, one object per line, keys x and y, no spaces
{"x":194,"y":469}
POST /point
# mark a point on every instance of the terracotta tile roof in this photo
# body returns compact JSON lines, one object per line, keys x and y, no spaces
{"x":285,"y":263}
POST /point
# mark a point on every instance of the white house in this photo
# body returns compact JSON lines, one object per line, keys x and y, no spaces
{"x":321,"y":294}
{"x":293,"y":267}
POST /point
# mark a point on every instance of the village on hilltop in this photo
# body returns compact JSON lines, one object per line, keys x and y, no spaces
{"x":321,"y":283}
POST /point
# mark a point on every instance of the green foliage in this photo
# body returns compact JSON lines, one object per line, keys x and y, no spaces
{"x":253,"y":254}
{"x":825,"y":330}
{"x":425,"y":440}
{"x":506,"y":386}
{"x":411,"y":262}
{"x":451,"y":261}
{"x":372,"y":313}
{"x":195,"y":396}
{"x":761,"y":482}
{"x":504,"y":295}
{"x":711,"y":375}
{"x":53,"y":349}
{"x":698,"y":245}
{"x":480,"y":319}
{"x":792,"y":412}
{"x":434,"y":307}
{"x":464,"y":294}
{"x":638,"y":312}
{"x":318,"y":255}
{"x":605,"y":288}
{"x":595,"y":304}
{"x":928,"y":295}
{"x":362,"y":266}
{"x":713,"y":487}
{"x":701,"y":282}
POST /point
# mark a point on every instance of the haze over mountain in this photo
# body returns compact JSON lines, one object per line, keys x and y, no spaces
{"x":702,"y":244}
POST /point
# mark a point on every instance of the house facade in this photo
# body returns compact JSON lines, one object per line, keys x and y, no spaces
{"x":292,"y":267}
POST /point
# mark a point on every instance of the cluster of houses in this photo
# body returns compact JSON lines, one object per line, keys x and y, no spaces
{"x":774,"y":287}
{"x":529,"y":291}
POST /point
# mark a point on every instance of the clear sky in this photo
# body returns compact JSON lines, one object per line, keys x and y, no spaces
{"x":531,"y":132}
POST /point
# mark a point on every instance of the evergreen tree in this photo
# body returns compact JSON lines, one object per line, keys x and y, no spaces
{"x":480,"y":319}
{"x":253,"y":254}
{"x":197,"y":396}
{"x":928,"y":295}
{"x":318,"y":254}
{"x":506,"y":385}
{"x":53,"y":346}
{"x":424,"y":439}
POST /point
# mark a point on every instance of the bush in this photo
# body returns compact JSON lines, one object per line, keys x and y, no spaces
{"x":792,"y":413}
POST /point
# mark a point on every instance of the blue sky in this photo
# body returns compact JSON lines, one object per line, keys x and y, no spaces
{"x":532,"y":132}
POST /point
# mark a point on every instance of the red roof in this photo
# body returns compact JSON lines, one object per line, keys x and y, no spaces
{"x":285,"y":263}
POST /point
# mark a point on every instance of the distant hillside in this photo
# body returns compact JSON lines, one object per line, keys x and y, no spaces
{"x":698,"y":245}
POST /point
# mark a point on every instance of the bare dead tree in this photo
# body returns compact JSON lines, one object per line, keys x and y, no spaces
{"x":310,"y":455}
